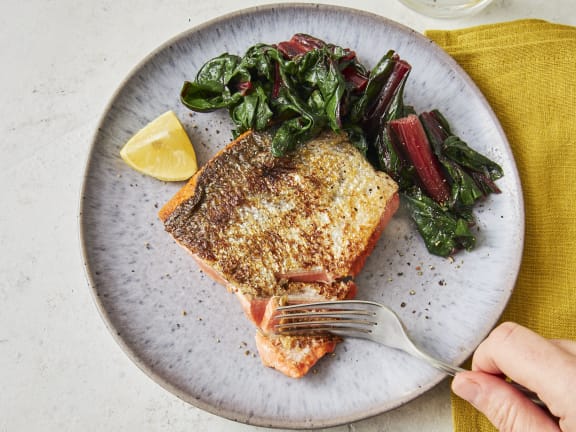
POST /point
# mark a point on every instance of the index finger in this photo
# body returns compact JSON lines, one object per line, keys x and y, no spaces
{"x":531,"y":360}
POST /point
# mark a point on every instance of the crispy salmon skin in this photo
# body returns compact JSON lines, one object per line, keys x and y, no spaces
{"x":297,"y":227}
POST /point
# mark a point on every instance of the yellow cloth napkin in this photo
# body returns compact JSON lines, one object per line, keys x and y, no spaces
{"x":527,"y":71}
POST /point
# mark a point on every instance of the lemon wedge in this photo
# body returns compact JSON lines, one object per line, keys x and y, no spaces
{"x":161,"y":149}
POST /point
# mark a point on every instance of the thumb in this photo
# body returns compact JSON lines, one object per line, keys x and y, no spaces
{"x":506,"y":408}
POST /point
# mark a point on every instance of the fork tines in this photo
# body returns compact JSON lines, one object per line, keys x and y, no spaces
{"x":338,"y":317}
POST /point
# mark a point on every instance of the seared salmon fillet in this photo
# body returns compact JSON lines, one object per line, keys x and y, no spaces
{"x":296,"y":227}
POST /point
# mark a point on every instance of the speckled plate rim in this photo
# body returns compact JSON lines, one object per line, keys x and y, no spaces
{"x":273,"y":422}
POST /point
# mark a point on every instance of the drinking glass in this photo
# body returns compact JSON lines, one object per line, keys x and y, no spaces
{"x":446,"y":8}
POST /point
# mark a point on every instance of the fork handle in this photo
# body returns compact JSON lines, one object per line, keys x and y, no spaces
{"x":453,"y":370}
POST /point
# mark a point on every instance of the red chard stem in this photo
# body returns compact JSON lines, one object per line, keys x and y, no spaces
{"x":415,"y":145}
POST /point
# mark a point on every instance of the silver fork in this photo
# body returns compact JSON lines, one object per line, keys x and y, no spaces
{"x":365,"y":320}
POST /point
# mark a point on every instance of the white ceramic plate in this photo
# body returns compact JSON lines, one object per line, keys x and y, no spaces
{"x":190,"y":335}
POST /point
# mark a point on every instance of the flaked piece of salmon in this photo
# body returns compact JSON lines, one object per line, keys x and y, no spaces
{"x":293,"y":355}
{"x":294,"y":227}
{"x":303,"y":292}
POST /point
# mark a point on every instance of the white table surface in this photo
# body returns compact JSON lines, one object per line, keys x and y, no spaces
{"x":61,"y":60}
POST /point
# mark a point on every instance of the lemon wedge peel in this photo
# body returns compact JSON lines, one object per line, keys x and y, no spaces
{"x":161,"y":149}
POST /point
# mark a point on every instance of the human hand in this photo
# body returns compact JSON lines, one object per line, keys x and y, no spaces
{"x":545,"y":366}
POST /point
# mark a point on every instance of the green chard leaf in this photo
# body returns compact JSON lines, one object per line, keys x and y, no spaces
{"x":390,"y":161}
{"x":252,"y":112}
{"x":457,"y":150}
{"x":443,"y":233}
{"x":260,"y":59}
{"x":317,"y":70}
{"x":464,"y":190}
{"x":210,"y":90}
{"x":378,"y":77}
{"x":357,"y":137}
{"x":289,"y":135}
{"x":220,"y":69}
{"x":206,"y":97}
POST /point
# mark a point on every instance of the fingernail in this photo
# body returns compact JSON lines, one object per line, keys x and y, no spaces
{"x":466,"y":388}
